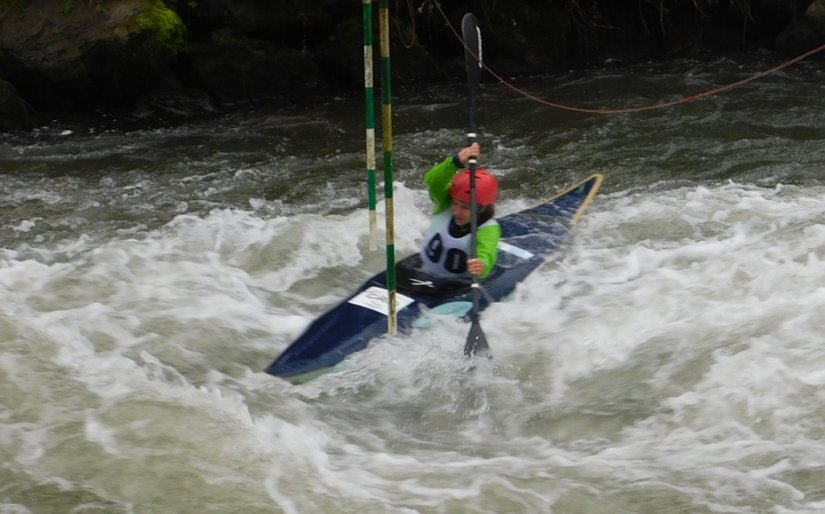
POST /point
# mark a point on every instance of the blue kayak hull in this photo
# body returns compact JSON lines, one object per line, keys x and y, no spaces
{"x":527,"y":238}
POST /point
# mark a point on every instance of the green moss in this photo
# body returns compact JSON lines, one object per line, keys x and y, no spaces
{"x":166,"y":28}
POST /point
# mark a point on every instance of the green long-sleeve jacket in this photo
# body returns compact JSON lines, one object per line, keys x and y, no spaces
{"x":439,"y":179}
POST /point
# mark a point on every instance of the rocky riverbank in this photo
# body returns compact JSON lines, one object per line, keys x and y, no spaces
{"x":152,"y":60}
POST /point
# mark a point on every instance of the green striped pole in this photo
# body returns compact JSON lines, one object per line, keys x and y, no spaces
{"x":369,"y":99}
{"x":386,"y":121}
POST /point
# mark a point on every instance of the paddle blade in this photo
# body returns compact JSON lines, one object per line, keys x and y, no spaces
{"x":471,"y":35}
{"x":476,"y":341}
{"x":472,"y":62}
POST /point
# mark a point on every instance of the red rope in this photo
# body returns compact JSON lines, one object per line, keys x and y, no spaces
{"x":658,"y":105}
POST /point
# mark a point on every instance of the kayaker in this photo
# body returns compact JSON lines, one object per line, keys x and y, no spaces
{"x":447,"y":242}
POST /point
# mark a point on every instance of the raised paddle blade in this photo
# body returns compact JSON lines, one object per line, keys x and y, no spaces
{"x":471,"y":35}
{"x":476,"y":341}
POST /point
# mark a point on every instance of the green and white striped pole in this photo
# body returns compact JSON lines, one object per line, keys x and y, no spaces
{"x":386,"y":122}
{"x":369,"y":99}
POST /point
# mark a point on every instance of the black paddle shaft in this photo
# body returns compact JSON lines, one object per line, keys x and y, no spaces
{"x":472,"y":61}
{"x":476,"y":340}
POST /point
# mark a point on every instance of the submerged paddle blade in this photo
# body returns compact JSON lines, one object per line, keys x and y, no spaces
{"x":476,"y":341}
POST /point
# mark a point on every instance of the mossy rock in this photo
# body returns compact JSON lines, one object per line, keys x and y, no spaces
{"x":88,"y":53}
{"x":164,"y":30}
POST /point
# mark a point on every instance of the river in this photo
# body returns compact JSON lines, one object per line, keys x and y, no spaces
{"x":669,"y":359}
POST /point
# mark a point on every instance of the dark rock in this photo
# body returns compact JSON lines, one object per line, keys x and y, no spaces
{"x":170,"y":100}
{"x":239,"y":69}
{"x":15,"y":113}
{"x":804,"y":34}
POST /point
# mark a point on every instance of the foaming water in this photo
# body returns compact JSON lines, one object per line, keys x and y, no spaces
{"x":660,"y":370}
{"x":667,"y":357}
{"x":666,"y":360}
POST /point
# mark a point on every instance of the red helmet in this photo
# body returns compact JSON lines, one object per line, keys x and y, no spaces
{"x":486,"y":187}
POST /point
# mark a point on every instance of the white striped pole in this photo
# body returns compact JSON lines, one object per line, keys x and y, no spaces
{"x":369,"y":99}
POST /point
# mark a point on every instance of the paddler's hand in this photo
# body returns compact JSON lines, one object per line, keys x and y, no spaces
{"x":475,"y":266}
{"x":465,"y":154}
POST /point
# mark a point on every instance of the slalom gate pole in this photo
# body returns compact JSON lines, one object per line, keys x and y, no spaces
{"x":369,"y":101}
{"x":386,"y":121}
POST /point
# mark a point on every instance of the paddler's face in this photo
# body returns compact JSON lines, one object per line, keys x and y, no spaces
{"x":461,"y":212}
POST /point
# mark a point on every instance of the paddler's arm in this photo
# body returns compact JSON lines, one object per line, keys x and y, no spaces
{"x":439,"y":178}
{"x":487,"y":246}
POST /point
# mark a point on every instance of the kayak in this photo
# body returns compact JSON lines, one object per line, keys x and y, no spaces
{"x":528,"y":237}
